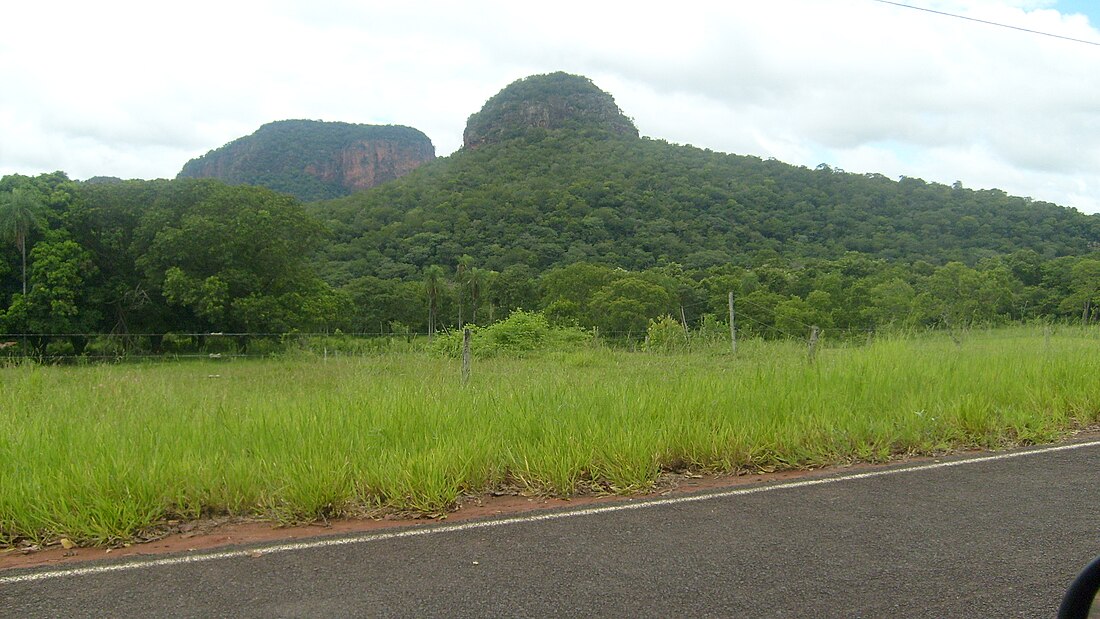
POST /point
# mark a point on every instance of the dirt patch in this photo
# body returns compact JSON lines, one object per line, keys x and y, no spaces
{"x":208,"y":534}
{"x":212,"y":533}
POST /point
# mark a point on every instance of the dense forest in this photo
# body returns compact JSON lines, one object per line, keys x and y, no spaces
{"x":561,"y":197}
{"x":561,"y":211}
{"x":151,"y":257}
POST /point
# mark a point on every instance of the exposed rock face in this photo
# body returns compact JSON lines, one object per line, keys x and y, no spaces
{"x":547,"y":102}
{"x":315,"y":160}
{"x":366,"y":163}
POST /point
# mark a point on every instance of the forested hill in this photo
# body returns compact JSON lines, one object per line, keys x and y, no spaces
{"x":554,"y":205}
{"x":553,"y":101}
{"x":582,"y":188}
{"x":314,"y":160}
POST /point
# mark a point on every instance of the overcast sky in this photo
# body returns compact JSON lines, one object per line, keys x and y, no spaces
{"x":135,"y":89}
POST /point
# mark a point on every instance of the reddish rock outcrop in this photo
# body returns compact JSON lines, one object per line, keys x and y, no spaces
{"x":368,"y":163}
{"x":316,"y":160}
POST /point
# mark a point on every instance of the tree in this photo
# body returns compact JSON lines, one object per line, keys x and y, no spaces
{"x":1085,"y":280}
{"x":891,"y":303}
{"x":627,"y":304}
{"x":233,"y":257}
{"x":20,"y":213}
{"x":568,"y":291}
{"x":515,"y":288}
{"x":794,"y":317}
{"x":433,"y":285}
{"x":477,"y":280}
{"x":462,"y":280}
{"x":952,"y":295}
{"x":60,"y":300}
{"x":375,"y":303}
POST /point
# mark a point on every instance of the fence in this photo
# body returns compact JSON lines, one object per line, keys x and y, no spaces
{"x":107,"y":347}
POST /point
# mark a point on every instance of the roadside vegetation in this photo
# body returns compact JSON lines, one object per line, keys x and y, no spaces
{"x":100,"y":453}
{"x":175,"y":349}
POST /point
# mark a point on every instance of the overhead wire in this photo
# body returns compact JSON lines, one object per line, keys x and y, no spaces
{"x":987,"y":22}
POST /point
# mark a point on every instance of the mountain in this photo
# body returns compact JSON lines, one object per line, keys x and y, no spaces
{"x":546,"y":102}
{"x":553,"y":173}
{"x":316,"y":160}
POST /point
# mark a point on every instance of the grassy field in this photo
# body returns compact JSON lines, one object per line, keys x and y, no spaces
{"x":98,"y":453}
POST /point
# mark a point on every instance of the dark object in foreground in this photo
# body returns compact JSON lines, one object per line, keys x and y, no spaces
{"x":1081,"y":595}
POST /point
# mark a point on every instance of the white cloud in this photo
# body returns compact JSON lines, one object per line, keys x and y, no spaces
{"x":135,"y":89}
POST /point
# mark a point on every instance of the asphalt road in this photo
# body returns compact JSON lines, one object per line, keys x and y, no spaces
{"x":989,"y":538}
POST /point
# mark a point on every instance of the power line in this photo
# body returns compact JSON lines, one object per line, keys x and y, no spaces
{"x":990,"y":23}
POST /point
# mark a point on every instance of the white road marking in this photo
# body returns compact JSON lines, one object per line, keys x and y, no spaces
{"x":255,"y":551}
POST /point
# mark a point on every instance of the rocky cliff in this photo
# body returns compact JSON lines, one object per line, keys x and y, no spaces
{"x":546,"y":102}
{"x":316,"y":160}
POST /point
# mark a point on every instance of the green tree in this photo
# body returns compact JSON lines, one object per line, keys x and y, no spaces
{"x":953,"y":298}
{"x":477,"y":280}
{"x":1085,"y":282}
{"x":20,"y":213}
{"x":233,"y":257}
{"x":568,"y":291}
{"x":376,"y":302}
{"x":516,"y":287}
{"x":433,"y":290}
{"x":794,"y":317}
{"x":891,"y":303}
{"x":627,"y":304}
{"x":60,"y":299}
{"x":462,"y":282}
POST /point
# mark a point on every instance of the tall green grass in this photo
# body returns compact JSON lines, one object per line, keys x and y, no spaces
{"x":99,"y":453}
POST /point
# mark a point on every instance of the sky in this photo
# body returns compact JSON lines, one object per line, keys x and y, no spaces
{"x":135,"y":89}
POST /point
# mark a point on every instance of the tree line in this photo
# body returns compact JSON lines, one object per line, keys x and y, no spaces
{"x":156,"y":257}
{"x":778,"y":299}
{"x":197,"y":256}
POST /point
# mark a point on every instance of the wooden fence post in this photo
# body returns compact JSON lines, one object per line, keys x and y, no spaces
{"x":814,"y":331}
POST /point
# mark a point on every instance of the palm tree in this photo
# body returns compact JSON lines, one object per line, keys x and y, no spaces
{"x":462,"y":273}
{"x":433,"y":284}
{"x":476,"y":282}
{"x":20,"y":213}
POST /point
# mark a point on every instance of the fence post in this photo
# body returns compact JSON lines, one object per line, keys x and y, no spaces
{"x":465,"y":355}
{"x":814,"y":331}
{"x":733,"y":327}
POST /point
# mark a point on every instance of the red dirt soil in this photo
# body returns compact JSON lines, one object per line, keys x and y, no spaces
{"x":215,"y":533}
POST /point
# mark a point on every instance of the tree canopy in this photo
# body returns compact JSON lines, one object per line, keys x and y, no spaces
{"x":559,"y":197}
{"x":158,"y":256}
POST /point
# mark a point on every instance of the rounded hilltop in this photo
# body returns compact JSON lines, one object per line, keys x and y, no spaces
{"x":550,"y":101}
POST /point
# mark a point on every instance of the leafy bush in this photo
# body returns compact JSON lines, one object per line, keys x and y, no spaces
{"x":520,"y":333}
{"x":665,"y":335}
{"x":712,"y":330}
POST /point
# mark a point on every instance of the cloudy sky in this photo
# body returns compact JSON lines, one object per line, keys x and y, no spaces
{"x":135,"y":89}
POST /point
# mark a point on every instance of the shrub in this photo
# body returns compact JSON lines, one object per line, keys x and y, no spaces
{"x":520,"y":333}
{"x":665,"y":335}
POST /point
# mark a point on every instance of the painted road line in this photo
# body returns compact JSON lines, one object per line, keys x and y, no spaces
{"x":257,"y":551}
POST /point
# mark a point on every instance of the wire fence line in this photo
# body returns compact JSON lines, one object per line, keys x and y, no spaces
{"x":99,"y":346}
{"x":103,"y":347}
